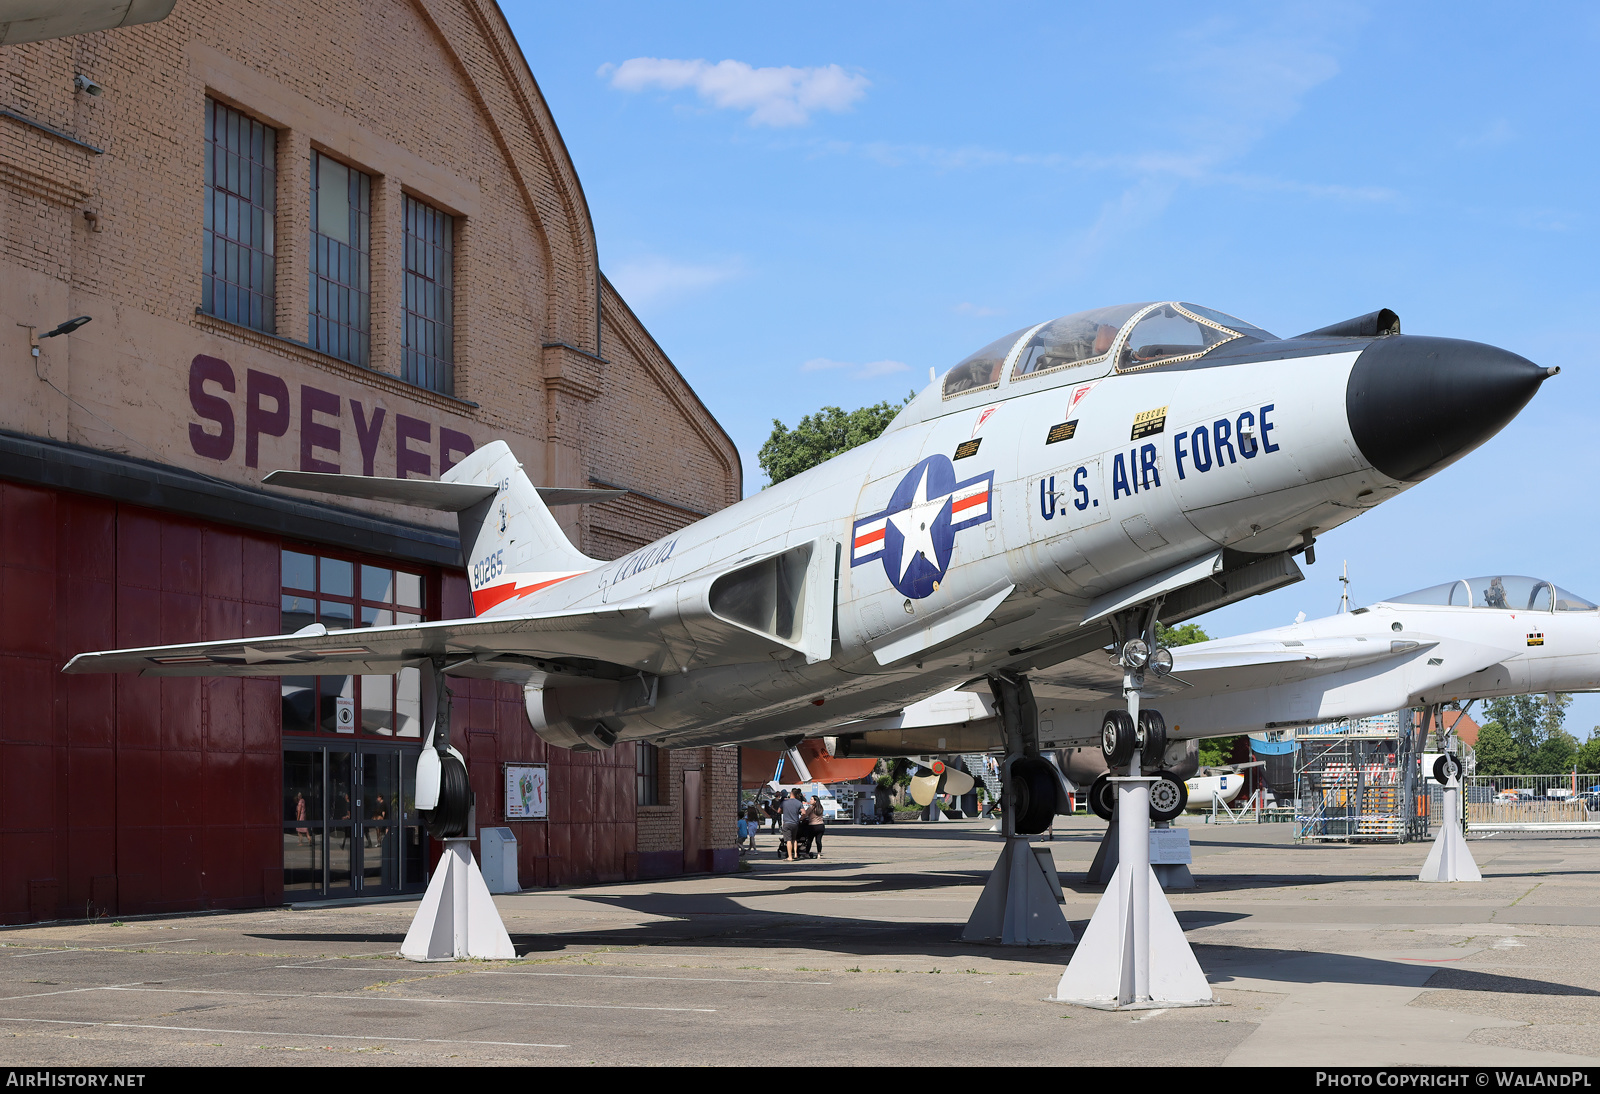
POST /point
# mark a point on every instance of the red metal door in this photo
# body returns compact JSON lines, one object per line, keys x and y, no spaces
{"x":693,"y":835}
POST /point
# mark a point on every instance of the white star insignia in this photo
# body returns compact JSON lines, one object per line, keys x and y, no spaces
{"x":915,"y":526}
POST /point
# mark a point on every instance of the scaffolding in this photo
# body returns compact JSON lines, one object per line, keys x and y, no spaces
{"x":1359,"y":786}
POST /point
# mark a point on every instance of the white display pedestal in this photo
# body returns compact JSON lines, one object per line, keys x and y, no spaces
{"x":1450,"y":859}
{"x":457,"y":917}
{"x":1020,"y":904}
{"x":1133,"y":955}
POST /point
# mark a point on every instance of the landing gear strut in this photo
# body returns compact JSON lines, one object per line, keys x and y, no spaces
{"x":1133,"y":954}
{"x":457,"y":917}
{"x":1019,"y":905}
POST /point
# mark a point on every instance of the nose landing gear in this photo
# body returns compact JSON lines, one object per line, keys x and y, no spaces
{"x":1133,"y":954}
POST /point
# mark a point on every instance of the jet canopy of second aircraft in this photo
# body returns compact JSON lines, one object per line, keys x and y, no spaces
{"x":1157,"y":334}
{"x":1510,"y":592}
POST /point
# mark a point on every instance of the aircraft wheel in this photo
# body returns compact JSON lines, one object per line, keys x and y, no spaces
{"x":1033,"y":781}
{"x":1153,"y":745}
{"x":1103,"y":798}
{"x":1168,"y":796}
{"x":449,"y":818}
{"x":1117,"y":738}
{"x":1445,"y":768}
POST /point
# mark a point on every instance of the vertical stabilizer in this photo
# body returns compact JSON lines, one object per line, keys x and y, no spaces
{"x":511,"y":544}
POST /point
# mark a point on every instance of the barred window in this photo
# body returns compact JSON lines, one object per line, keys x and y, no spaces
{"x":429,"y":298}
{"x":341,"y":291}
{"x":647,"y":772}
{"x":238,"y":267}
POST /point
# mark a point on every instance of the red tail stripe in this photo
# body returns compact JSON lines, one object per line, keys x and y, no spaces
{"x":484,"y":599}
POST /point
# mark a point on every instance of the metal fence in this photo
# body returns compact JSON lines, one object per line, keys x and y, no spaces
{"x":1532,"y":803}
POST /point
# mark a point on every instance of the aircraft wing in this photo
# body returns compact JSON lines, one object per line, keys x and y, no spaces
{"x":607,"y":634}
{"x":1211,"y":665}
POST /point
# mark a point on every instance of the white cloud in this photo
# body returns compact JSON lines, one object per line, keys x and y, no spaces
{"x":868,"y":371}
{"x":775,"y":96}
{"x":652,"y":277}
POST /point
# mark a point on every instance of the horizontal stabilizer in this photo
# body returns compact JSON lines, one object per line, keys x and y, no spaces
{"x":572,"y":495}
{"x":450,"y":497}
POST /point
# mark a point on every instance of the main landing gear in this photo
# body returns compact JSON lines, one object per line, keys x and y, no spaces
{"x":1021,"y":903}
{"x":457,"y":917}
{"x":1133,"y":954}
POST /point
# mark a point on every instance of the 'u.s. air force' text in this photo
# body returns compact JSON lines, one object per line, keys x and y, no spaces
{"x":1195,"y":450}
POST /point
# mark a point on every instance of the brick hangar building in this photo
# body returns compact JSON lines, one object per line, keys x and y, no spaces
{"x":333,"y":236}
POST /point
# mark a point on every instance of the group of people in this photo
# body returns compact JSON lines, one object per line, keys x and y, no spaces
{"x":799,"y":822}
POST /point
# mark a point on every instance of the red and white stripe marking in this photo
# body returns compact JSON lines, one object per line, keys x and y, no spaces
{"x":970,"y":503}
{"x":869,"y":537}
{"x":516,"y":586}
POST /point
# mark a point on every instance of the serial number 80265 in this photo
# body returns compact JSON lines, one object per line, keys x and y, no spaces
{"x":487,"y":568}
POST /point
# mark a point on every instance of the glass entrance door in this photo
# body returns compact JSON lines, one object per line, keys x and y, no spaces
{"x":349,"y":822}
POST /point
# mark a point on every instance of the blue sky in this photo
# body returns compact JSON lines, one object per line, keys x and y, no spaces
{"x":814,"y":204}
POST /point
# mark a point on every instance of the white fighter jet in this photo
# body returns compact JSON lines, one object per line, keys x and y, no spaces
{"x":1045,"y":497}
{"x":1475,"y":638}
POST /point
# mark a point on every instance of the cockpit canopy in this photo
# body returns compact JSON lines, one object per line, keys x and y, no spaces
{"x":1522,"y":594}
{"x":1138,"y":335}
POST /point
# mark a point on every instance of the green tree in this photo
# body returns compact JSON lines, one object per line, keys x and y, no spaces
{"x":1533,"y":724}
{"x":1589,"y":753}
{"x":1556,"y":753}
{"x":1496,"y":751}
{"x":1217,"y":750}
{"x":1185,"y":635}
{"x":821,"y":436}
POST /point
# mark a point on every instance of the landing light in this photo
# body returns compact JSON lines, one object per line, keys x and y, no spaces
{"x":1161,"y":662}
{"x":1135,"y":654}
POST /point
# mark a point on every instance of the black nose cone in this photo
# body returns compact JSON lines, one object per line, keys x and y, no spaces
{"x":1417,"y":405}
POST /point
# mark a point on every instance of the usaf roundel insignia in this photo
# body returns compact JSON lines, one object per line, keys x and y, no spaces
{"x":916,"y":534}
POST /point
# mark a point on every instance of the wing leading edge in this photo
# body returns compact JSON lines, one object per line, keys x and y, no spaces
{"x":611,"y":634}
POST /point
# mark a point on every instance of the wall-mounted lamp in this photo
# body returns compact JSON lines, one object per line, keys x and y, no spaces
{"x":86,"y":85}
{"x":68,"y":327}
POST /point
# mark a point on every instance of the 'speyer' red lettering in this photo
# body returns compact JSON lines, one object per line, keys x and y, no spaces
{"x":213,"y":408}
{"x":452,"y":446}
{"x":258,"y":420}
{"x":314,"y":434}
{"x":368,"y":430}
{"x":407,"y":459}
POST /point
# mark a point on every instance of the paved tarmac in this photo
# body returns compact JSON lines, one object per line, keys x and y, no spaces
{"x":1322,"y":955}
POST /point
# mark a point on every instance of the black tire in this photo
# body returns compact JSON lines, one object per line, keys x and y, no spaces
{"x":1440,"y":774}
{"x":1117,"y":738}
{"x":448,"y":819}
{"x":1168,"y":796}
{"x":1103,"y":798}
{"x":1153,"y":739}
{"x":1033,"y":782}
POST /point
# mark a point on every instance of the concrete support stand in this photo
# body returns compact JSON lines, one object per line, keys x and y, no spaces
{"x":1104,"y":865}
{"x":1450,"y":859}
{"x":457,"y":917}
{"x":1133,"y":954}
{"x":1019,"y":905}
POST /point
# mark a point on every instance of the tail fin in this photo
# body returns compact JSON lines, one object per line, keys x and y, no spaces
{"x":510,"y":543}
